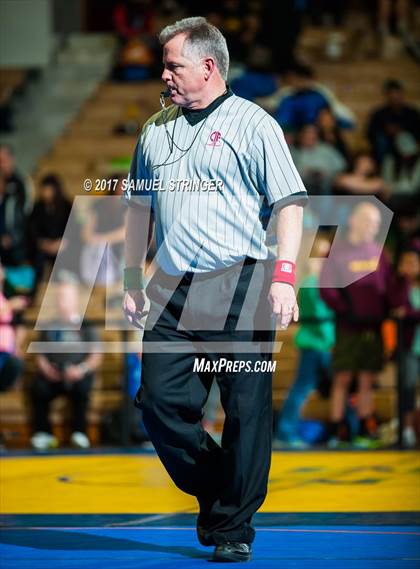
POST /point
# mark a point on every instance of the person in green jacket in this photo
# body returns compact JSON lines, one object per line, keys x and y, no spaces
{"x":315,"y":339}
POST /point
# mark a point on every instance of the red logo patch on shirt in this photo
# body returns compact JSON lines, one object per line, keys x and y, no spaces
{"x":215,"y":138}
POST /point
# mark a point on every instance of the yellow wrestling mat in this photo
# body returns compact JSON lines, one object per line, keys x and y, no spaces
{"x":137,"y":483}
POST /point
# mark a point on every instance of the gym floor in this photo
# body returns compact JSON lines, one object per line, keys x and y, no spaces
{"x":116,"y":509}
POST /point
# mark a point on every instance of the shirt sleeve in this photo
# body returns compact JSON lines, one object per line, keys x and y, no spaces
{"x":276,"y":175}
{"x":137,"y":186}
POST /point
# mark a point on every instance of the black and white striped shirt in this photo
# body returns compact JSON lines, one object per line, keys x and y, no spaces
{"x":213,"y":190}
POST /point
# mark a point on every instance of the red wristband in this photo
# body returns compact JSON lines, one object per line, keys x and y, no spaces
{"x":284,"y":272}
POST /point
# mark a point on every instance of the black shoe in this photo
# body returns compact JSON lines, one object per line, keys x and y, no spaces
{"x":206,"y":541}
{"x":232,"y":551}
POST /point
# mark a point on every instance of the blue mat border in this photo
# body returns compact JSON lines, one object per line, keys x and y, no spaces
{"x":262,"y":519}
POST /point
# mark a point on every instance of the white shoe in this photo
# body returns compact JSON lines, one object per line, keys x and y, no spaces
{"x":79,"y":440}
{"x":409,"y":437}
{"x":43,"y":441}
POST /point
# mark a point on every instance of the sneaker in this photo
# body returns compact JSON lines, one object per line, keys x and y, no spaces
{"x":292,"y":444}
{"x":336,"y":443}
{"x":409,"y":437}
{"x":363,"y":442}
{"x":232,"y":552}
{"x":43,"y":441}
{"x":79,"y":440}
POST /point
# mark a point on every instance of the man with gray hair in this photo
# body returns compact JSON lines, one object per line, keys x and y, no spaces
{"x":221,"y":167}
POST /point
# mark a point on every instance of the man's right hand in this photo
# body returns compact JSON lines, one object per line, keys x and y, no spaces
{"x":48,"y":370}
{"x":134,"y":306}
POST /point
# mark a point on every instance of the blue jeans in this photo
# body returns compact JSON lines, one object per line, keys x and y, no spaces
{"x":311,"y":363}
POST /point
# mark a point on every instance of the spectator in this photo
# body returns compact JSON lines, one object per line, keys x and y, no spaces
{"x":16,"y":185}
{"x":134,"y":22}
{"x":330,"y":133}
{"x":388,"y":120}
{"x":301,"y":102}
{"x":48,"y":222}
{"x":10,"y":364}
{"x":280,"y":29}
{"x":331,"y":11}
{"x":256,"y":80}
{"x":401,"y":172}
{"x":404,"y":232}
{"x":232,"y":18}
{"x":65,"y":373}
{"x":67,"y":264}
{"x":318,"y":162}
{"x":362,"y":179}
{"x":133,"y":19}
{"x":409,"y":269}
{"x":360,"y":309}
{"x":314,"y":340}
{"x":13,"y":224}
{"x":397,"y":11}
{"x":105,"y":226}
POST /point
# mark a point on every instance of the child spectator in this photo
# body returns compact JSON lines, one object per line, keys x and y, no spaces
{"x":314,"y":340}
{"x":65,"y":373}
{"x":360,"y":309}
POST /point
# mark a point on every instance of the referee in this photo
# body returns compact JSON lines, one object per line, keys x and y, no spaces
{"x":212,"y":168}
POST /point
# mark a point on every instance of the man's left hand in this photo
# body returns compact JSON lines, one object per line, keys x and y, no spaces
{"x":74,"y":373}
{"x":282,"y":298}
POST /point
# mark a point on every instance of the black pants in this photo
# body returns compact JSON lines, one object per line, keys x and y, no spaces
{"x":229,"y":481}
{"x":44,"y":391}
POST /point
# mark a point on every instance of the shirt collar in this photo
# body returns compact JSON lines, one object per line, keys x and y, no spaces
{"x":195,"y":116}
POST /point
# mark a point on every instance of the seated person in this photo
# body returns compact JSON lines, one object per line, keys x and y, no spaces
{"x":10,"y":363}
{"x":70,"y":374}
{"x":331,"y":133}
{"x":363,"y":178}
{"x":16,"y":184}
{"x":257,"y":80}
{"x":401,"y":172}
{"x":48,"y":221}
{"x":13,"y":226}
{"x":317,"y":162}
{"x":393,"y":117}
{"x":303,"y":99}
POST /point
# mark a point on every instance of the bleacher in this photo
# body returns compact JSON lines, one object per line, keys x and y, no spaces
{"x":11,"y":80}
{"x":86,"y":150}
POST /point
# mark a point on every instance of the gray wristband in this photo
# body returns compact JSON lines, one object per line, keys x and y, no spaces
{"x":133,"y":278}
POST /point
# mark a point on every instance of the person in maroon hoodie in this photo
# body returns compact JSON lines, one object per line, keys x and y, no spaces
{"x":360,"y":309}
